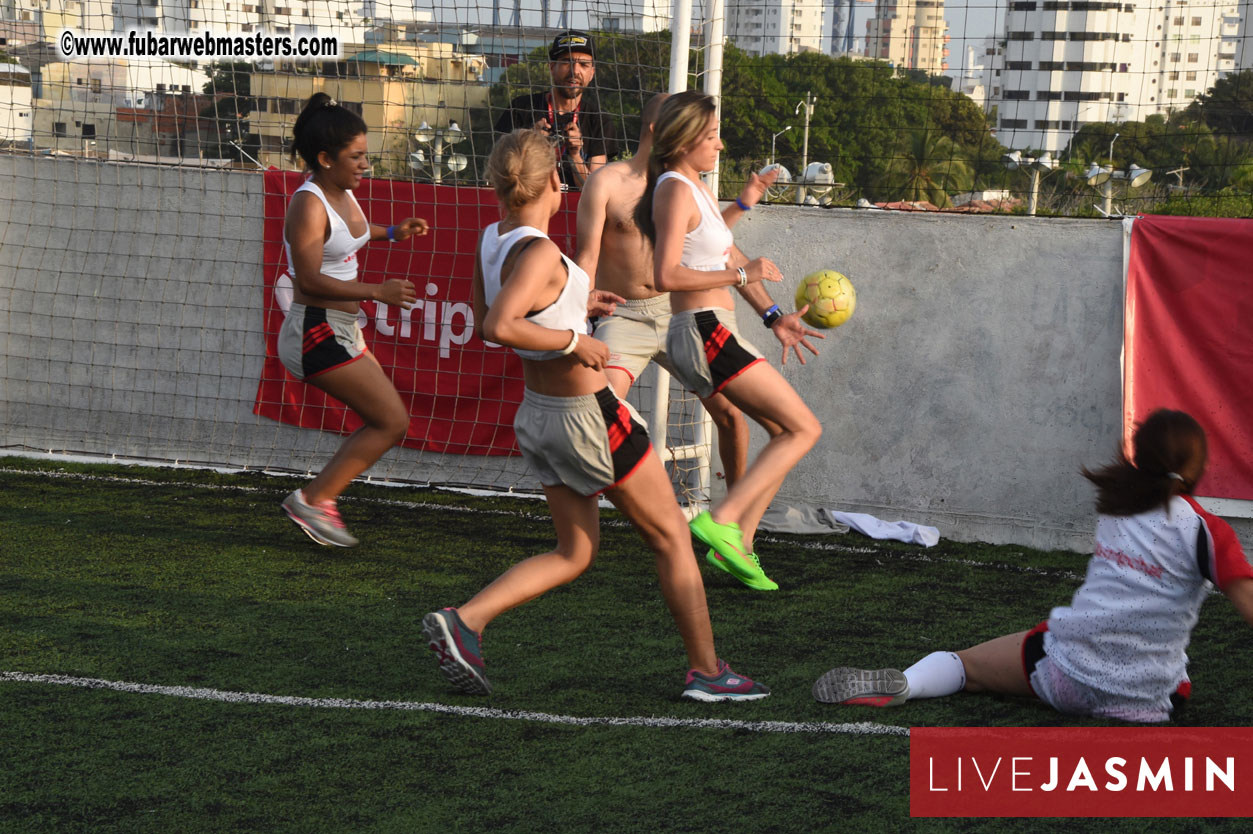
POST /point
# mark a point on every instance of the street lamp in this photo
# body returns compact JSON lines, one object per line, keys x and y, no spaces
{"x":808,"y":105}
{"x":1102,"y":178}
{"x":1036,"y":166}
{"x":438,"y":139}
{"x":772,"y":140}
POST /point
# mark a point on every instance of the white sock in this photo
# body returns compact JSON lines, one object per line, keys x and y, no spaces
{"x":936,"y":675}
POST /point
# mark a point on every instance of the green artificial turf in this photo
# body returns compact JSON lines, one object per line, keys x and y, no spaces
{"x":193,"y":578}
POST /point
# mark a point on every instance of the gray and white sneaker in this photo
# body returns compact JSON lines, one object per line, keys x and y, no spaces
{"x":864,"y":687}
{"x":321,"y":522}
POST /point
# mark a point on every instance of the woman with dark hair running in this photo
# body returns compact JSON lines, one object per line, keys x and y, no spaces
{"x":320,"y":341}
{"x":1118,"y":650}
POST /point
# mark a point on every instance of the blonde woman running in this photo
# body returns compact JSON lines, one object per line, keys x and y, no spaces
{"x":693,"y":261}
{"x":579,"y":438}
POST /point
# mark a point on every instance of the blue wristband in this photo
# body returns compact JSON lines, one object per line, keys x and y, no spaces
{"x":772,"y":315}
{"x":743,"y":207}
{"x":391,"y":233}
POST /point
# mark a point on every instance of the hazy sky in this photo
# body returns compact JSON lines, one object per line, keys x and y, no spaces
{"x":969,"y":20}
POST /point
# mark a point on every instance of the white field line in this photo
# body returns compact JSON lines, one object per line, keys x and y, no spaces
{"x":430,"y":505}
{"x":221,"y":696}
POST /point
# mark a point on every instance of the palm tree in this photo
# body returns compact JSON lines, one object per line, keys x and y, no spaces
{"x":928,"y":166}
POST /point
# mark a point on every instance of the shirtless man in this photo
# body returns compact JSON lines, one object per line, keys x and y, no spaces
{"x":619,"y":259}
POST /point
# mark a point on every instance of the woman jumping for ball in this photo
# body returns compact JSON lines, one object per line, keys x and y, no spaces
{"x":692,"y":247}
{"x":320,"y":341}
{"x":578,"y":437}
{"x":1118,"y":650}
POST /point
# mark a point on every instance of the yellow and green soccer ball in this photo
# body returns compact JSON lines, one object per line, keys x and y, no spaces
{"x":830,"y":296}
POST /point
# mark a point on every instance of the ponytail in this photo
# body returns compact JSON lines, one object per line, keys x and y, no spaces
{"x":1169,"y":451}
{"x":324,"y":125}
{"x":679,"y":124}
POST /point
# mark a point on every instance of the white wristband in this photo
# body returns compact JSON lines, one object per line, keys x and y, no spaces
{"x":743,"y":276}
{"x":574,"y":340}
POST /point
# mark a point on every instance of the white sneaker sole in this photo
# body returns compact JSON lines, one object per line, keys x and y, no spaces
{"x":710,"y":697}
{"x":862,"y":687}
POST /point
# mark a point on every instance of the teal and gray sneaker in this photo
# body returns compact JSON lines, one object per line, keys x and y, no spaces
{"x":459,"y":651}
{"x":725,"y":686}
{"x":862,"y":687}
{"x":728,"y":552}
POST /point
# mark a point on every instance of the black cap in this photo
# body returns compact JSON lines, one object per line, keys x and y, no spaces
{"x":571,"y":41}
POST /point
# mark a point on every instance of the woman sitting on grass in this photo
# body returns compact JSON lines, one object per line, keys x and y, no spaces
{"x":1117,"y":651}
{"x":578,"y":437}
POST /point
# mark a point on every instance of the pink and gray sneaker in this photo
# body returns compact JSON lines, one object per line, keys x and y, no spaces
{"x":725,"y":686}
{"x":459,"y":650}
{"x":320,"y":521}
{"x":862,"y":687}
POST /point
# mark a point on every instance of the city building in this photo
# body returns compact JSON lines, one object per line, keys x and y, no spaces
{"x":1068,"y":64}
{"x":394,"y":87}
{"x":909,"y":34}
{"x":16,"y":111}
{"x":777,"y":27}
{"x":98,"y":106}
{"x":631,"y":16}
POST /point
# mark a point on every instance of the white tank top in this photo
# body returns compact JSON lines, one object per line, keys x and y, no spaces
{"x":339,"y":251}
{"x":568,"y":312}
{"x":707,"y":247}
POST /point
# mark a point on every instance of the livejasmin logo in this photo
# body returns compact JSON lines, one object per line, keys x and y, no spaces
{"x":1023,"y":774}
{"x":1080,"y":771}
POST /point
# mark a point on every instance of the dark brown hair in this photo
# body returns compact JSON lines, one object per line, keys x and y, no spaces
{"x":1169,"y":453}
{"x":324,"y":125}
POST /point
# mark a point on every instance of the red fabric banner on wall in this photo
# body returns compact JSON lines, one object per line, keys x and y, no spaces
{"x":462,"y":393}
{"x":1188,"y":343}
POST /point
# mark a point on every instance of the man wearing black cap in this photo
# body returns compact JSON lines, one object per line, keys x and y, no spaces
{"x":570,"y":112}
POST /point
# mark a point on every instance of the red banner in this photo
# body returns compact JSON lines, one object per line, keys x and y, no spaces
{"x":1187,"y":340}
{"x":462,"y":393}
{"x":1081,"y":772}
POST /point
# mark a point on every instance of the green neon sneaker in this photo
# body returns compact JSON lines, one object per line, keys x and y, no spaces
{"x":761,"y":584}
{"x":730,"y":555}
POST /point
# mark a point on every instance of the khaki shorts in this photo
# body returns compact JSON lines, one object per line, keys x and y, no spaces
{"x":636,"y":334}
{"x":589,"y":443}
{"x":314,"y":340}
{"x":707,"y":351}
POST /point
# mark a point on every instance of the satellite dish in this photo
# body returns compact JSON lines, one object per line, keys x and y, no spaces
{"x":819,"y":178}
{"x":775,"y":192}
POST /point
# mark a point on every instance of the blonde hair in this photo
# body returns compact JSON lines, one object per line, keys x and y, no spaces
{"x":683,"y":118}
{"x":519,"y":167}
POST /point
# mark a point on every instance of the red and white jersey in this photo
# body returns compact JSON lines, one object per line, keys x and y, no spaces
{"x":1127,"y":628}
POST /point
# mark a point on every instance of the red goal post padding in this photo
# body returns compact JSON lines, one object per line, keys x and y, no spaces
{"x":1187,"y":343}
{"x":462,"y":393}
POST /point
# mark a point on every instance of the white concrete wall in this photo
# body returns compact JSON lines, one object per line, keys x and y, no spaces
{"x":980,"y":371}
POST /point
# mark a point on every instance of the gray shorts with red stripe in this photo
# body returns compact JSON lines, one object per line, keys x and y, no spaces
{"x":707,"y":351}
{"x":314,"y":340}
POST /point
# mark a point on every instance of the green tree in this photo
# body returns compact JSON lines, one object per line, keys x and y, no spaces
{"x":231,"y":84}
{"x":1228,"y":106}
{"x":927,"y":166}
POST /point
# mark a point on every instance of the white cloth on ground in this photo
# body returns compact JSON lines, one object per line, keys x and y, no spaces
{"x":901,"y":531}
